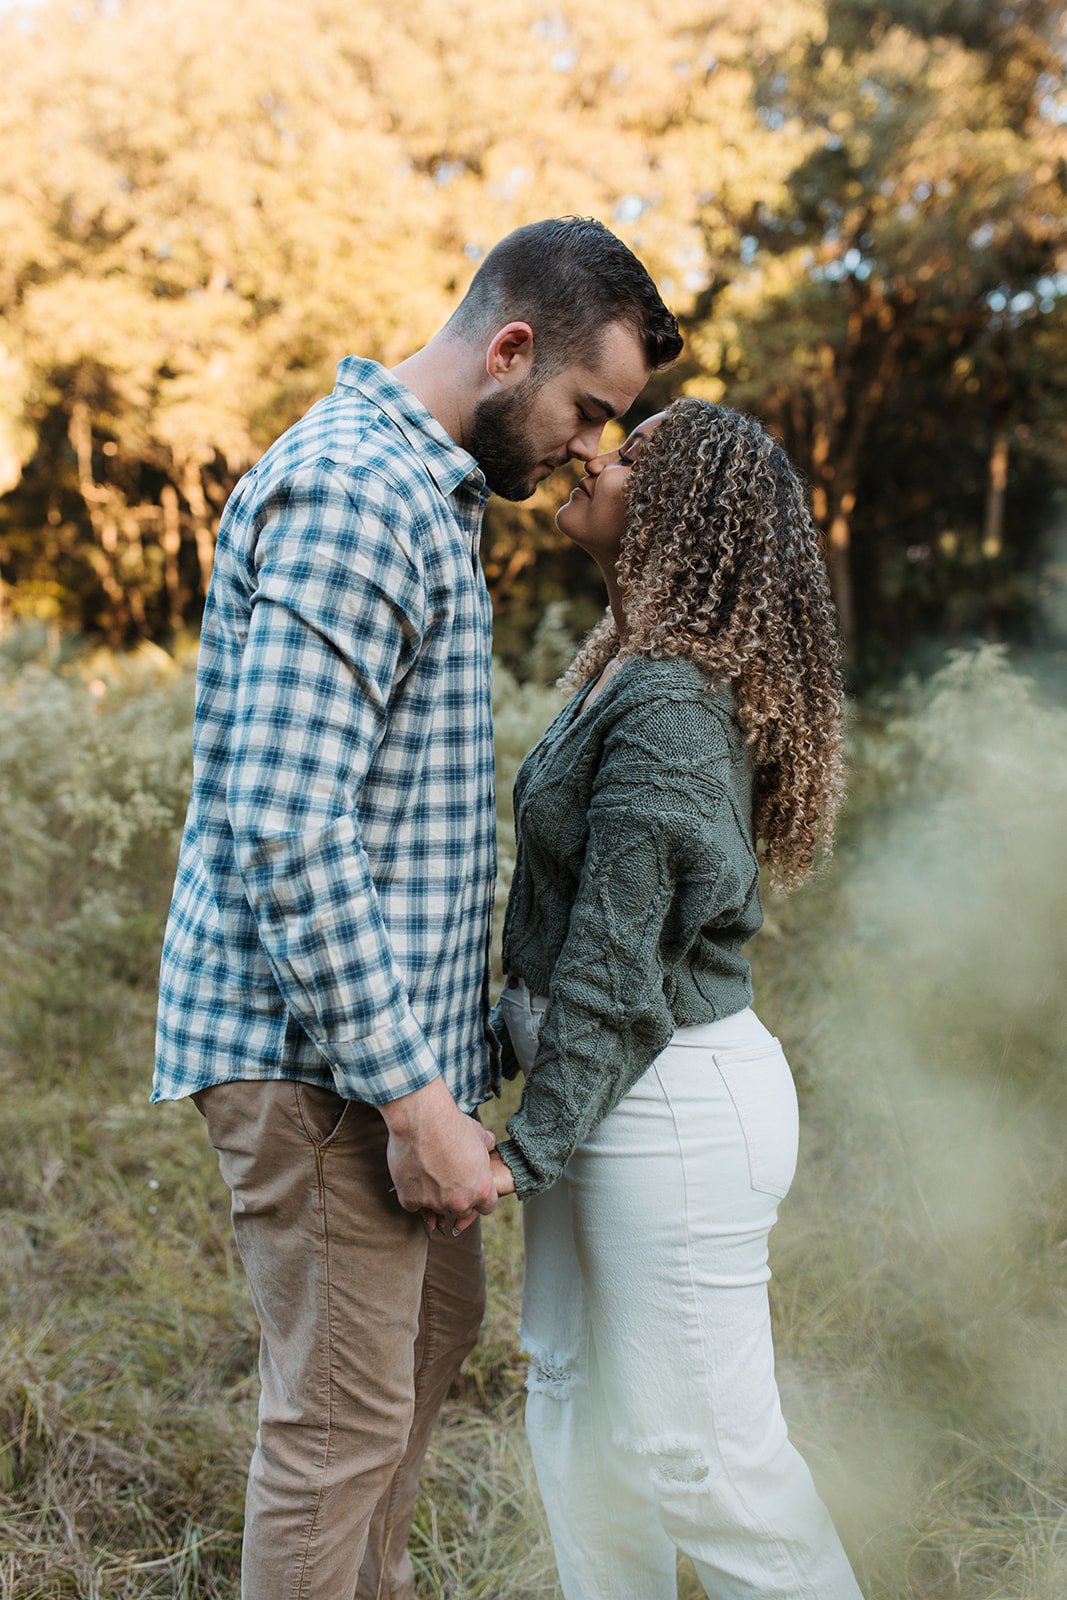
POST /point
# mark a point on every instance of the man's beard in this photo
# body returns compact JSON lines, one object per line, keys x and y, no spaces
{"x":498,"y":441}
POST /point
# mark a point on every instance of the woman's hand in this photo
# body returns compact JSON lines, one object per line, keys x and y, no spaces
{"x":502,"y":1174}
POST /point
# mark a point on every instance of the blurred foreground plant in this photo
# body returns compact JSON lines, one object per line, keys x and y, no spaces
{"x":920,"y":1258}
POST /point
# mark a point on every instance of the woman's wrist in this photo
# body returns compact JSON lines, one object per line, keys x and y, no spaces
{"x":527,"y":1181}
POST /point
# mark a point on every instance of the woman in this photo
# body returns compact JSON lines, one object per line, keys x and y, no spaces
{"x":658,"y":1125}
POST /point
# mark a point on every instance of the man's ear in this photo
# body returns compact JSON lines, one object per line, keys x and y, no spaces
{"x":509,"y":357}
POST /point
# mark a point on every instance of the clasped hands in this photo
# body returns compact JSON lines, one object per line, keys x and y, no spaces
{"x":504,"y":1182}
{"x":442,"y":1162}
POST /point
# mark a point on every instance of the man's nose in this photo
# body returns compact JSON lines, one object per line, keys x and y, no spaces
{"x":584,"y":446}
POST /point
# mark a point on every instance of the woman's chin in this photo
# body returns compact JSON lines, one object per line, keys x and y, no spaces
{"x":565,"y":519}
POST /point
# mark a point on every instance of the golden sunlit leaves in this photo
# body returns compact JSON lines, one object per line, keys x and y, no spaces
{"x":206,"y":203}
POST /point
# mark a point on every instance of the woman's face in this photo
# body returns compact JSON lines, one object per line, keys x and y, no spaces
{"x":594,"y":516}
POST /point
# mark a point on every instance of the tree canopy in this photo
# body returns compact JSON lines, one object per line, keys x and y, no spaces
{"x":856,"y":208}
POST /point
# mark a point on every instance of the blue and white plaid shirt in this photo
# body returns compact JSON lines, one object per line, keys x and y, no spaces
{"x":330,"y":920}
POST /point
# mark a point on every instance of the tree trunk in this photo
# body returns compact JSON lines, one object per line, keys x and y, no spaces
{"x":832,"y":511}
{"x":171,"y":541}
{"x":839,"y":569}
{"x":996,"y":492}
{"x":100,"y":504}
{"x":193,"y":490}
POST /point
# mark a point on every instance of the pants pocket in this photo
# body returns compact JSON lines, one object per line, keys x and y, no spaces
{"x":321,"y":1111}
{"x":761,"y":1087}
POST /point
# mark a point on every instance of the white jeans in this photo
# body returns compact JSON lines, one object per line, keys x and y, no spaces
{"x":653,"y":1413}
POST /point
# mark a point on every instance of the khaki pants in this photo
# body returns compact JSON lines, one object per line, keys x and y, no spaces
{"x":364,"y":1323}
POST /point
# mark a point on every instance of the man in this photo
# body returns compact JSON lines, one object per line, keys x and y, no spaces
{"x":323,"y":992}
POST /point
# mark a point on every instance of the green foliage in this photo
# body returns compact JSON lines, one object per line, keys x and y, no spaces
{"x":553,"y":646}
{"x":892,"y":316}
{"x":92,"y":813}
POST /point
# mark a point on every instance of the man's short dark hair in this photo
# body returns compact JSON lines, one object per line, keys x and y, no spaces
{"x":568,"y":277}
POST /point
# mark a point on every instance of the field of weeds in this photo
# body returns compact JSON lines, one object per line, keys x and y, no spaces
{"x":920,"y":1289}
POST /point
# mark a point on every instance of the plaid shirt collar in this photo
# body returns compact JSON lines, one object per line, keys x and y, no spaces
{"x":448,"y":464}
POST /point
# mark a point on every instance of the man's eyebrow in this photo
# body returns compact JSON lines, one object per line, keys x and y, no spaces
{"x":592,"y":403}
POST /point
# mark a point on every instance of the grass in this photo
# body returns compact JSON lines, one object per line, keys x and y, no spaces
{"x":920,"y":1296}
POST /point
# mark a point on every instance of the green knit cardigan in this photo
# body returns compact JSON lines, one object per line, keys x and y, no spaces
{"x":636,"y":886}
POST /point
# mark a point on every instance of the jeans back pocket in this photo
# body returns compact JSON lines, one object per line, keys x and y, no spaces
{"x":761,"y":1087}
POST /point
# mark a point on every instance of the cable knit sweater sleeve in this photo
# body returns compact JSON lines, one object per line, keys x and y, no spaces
{"x":669,"y":854}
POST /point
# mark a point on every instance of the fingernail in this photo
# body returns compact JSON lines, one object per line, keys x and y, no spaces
{"x":393,"y":1189}
{"x":456,"y":1233}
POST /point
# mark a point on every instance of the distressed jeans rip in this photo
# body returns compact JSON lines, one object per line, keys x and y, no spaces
{"x":674,"y":1463}
{"x":550,"y":1375}
{"x":687,"y":1471}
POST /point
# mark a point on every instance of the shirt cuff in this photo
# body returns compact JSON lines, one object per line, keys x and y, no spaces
{"x":394,"y":1060}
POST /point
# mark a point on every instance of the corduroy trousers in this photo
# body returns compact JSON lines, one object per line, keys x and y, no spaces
{"x":364,"y":1323}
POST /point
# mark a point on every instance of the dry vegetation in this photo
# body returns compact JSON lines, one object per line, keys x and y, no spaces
{"x":920,"y":1293}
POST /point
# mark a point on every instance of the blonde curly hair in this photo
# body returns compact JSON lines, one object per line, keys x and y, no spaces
{"x":721,"y":562}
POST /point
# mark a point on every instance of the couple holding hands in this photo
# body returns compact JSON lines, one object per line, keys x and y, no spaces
{"x":324,"y":989}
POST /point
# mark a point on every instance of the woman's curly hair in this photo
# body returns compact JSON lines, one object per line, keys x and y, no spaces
{"x":721,"y":562}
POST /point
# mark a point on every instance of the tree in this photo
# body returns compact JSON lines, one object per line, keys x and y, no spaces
{"x":857,"y":209}
{"x":922,"y":234}
{"x":209,"y":204}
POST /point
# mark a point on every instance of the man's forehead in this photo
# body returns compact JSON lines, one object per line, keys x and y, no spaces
{"x":612,"y":383}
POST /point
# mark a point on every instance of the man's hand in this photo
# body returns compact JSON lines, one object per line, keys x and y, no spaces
{"x":438,"y":1158}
